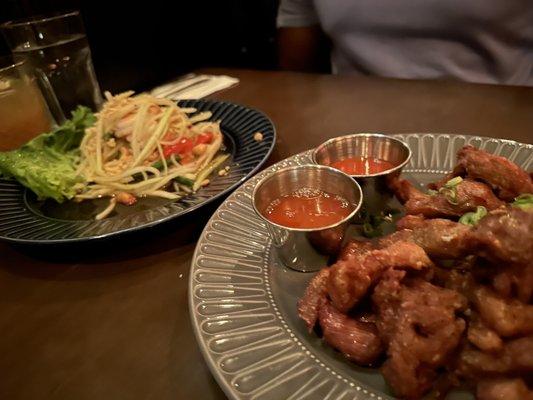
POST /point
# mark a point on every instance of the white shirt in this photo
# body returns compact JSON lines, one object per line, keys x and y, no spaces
{"x":486,"y":41}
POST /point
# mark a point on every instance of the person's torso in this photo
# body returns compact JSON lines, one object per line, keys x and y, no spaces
{"x":475,"y":40}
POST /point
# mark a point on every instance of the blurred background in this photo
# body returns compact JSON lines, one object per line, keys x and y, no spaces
{"x":138,"y":45}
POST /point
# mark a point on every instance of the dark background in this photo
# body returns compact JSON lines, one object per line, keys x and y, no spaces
{"x":138,"y":45}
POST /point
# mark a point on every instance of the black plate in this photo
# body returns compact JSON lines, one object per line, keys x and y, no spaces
{"x":24,"y":219}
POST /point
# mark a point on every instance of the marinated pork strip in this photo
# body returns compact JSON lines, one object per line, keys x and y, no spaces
{"x":350,"y":278}
{"x":506,"y":176}
{"x":417,"y":321}
{"x":411,"y":222}
{"x":454,"y":279}
{"x":483,"y":337}
{"x":505,"y":236}
{"x":516,"y":357}
{"x":503,"y":389}
{"x":440,"y":238}
{"x":355,"y":247}
{"x":357,"y":340}
{"x":386,"y":299}
{"x":315,"y":295}
{"x":464,"y":197}
{"x":508,"y":317}
{"x":515,"y":280}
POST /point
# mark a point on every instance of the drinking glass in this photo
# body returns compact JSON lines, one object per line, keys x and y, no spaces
{"x":23,"y":110}
{"x":57,"y":51}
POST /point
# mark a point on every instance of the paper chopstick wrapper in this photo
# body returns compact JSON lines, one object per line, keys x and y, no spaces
{"x":193,"y":86}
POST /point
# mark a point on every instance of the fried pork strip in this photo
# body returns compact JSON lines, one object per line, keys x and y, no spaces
{"x":503,"y":389}
{"x":314,"y":296}
{"x":508,"y":178}
{"x":464,"y":197}
{"x":505,"y":236}
{"x":350,"y":278}
{"x":515,"y":280}
{"x":515,"y":357}
{"x":357,"y":340}
{"x":507,"y":317}
{"x":483,"y":337}
{"x":417,"y":320}
{"x":440,"y":238}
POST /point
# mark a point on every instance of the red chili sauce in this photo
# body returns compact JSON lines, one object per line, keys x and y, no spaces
{"x":362,"y":165}
{"x":308,"y":208}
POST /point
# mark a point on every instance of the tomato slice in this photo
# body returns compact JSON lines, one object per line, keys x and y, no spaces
{"x":184,"y":145}
{"x":205,"y":138}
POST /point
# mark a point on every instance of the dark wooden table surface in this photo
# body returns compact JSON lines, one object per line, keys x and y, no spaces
{"x":111,"y":321}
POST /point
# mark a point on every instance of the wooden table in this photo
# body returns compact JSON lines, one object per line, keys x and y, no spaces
{"x":112,"y":321}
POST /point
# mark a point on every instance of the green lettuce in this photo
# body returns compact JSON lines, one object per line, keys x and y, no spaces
{"x":47,"y":164}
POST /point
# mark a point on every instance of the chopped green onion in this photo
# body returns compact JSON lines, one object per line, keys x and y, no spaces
{"x":524,"y":201}
{"x":159,"y":163}
{"x":184,"y":181}
{"x":452,"y":183}
{"x":371,"y":231}
{"x":450,"y":194}
{"x":373,"y":223}
{"x":472,"y":218}
{"x":449,"y":190}
{"x":204,"y":173}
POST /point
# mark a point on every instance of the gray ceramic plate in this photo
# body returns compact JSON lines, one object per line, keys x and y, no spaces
{"x":24,"y":219}
{"x":243,"y":303}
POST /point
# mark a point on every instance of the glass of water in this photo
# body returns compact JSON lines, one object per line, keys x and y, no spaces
{"x":57,"y":51}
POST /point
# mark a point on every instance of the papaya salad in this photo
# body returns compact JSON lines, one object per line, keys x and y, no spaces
{"x":135,"y":146}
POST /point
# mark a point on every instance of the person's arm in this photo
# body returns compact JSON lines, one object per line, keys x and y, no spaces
{"x":303,"y":49}
{"x":301,"y":42}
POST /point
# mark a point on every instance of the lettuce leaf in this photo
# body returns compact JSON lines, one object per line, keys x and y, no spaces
{"x":47,"y":164}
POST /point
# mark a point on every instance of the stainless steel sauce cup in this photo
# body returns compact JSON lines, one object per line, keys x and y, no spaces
{"x":372,"y":145}
{"x":298,"y":248}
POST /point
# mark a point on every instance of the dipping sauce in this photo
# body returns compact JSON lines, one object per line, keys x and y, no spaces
{"x":308,"y":208}
{"x":362,"y":165}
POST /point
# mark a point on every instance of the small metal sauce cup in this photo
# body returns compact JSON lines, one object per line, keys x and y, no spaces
{"x":296,"y":247}
{"x":373,"y":145}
